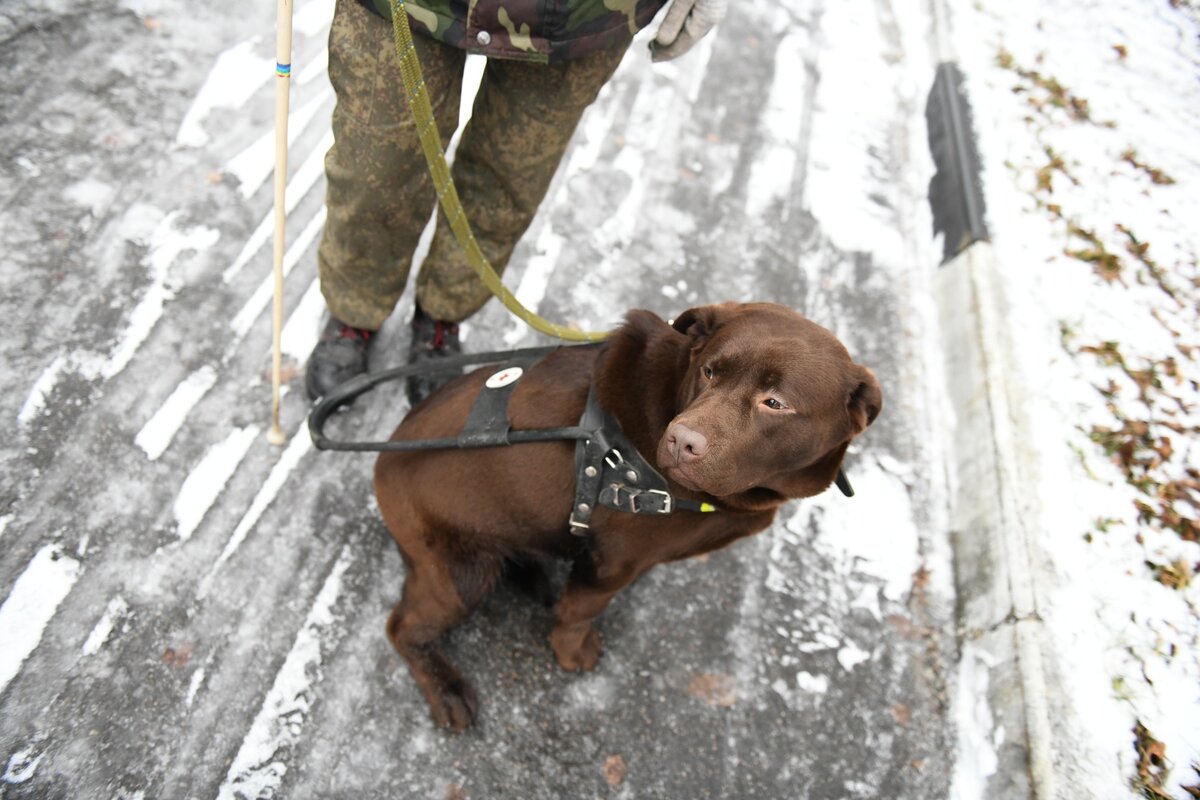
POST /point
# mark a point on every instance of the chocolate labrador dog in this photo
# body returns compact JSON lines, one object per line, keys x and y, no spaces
{"x":741,"y":407}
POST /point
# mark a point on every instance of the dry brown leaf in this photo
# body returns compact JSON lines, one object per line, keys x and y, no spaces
{"x":1152,"y":764}
{"x":288,"y":371}
{"x":718,"y":691}
{"x":615,"y":770}
{"x":178,"y":656}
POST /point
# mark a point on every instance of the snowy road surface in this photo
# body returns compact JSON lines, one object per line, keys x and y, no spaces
{"x":190,"y":612}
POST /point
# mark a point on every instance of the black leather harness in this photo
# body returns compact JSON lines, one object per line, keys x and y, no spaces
{"x":609,"y":470}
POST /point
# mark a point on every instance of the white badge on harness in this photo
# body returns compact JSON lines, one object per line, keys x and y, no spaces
{"x":504,"y":377}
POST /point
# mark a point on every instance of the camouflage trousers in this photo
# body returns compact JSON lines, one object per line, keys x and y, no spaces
{"x":380,"y":195}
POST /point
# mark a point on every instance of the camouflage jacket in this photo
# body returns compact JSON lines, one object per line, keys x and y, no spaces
{"x":531,"y":30}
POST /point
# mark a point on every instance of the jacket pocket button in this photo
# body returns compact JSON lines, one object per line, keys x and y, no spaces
{"x":484,"y":38}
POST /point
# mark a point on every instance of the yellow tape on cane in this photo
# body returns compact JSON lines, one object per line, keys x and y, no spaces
{"x":435,"y":156}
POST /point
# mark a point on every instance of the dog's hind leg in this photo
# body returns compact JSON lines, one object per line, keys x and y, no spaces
{"x":437,"y":596}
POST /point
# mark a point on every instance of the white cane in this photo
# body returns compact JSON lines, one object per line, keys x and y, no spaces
{"x":283,"y":74}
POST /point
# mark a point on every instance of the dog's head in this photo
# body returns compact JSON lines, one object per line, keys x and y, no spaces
{"x":770,"y":401}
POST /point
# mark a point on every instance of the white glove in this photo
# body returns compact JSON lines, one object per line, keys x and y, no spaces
{"x":685,"y":24}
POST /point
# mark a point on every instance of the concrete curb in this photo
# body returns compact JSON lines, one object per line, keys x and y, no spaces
{"x":999,"y":579}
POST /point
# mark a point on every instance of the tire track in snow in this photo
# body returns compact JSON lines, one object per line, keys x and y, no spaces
{"x":258,"y":302}
{"x":159,"y":431}
{"x":236,"y":76}
{"x":207,"y":480}
{"x":252,"y":166}
{"x":166,"y":243}
{"x":782,"y":121}
{"x":311,"y":170}
{"x":260,"y":765}
{"x":116,"y":611}
{"x":39,"y":591}
{"x":300,"y":445}
{"x":156,"y":435}
{"x":255,"y":164}
{"x":30,"y":606}
{"x":648,"y":126}
{"x":166,"y":248}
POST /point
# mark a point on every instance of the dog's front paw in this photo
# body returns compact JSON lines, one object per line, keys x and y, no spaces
{"x":454,"y":705}
{"x":576,"y":650}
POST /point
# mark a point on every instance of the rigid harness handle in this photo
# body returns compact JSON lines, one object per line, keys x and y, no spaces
{"x":360,"y":384}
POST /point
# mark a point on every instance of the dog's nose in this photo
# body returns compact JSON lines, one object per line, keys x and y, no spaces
{"x":686,"y":445}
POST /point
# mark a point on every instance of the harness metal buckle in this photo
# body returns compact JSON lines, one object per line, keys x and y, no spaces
{"x":620,"y":459}
{"x":666,"y":506}
{"x":668,"y":501}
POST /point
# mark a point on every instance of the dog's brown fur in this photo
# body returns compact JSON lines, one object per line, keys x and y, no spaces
{"x":742,"y":406}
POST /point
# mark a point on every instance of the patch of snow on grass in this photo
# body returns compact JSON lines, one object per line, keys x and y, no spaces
{"x":1093,"y":190}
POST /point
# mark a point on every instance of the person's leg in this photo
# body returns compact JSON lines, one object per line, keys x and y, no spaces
{"x":379,"y":194}
{"x":521,"y":124}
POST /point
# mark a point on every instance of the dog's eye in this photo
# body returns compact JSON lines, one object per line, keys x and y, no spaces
{"x":708,"y":372}
{"x":774,"y":404}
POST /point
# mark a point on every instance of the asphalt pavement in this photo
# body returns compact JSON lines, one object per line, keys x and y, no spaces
{"x":192,"y":612}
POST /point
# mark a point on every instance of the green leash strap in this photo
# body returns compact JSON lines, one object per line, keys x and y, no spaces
{"x":435,"y":156}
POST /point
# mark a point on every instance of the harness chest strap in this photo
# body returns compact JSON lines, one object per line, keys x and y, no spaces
{"x":609,"y":470}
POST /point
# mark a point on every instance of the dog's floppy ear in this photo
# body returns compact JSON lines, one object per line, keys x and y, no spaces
{"x":699,"y":323}
{"x":865,"y":400}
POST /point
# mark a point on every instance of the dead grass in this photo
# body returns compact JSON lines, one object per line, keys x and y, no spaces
{"x":1150,"y":397}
